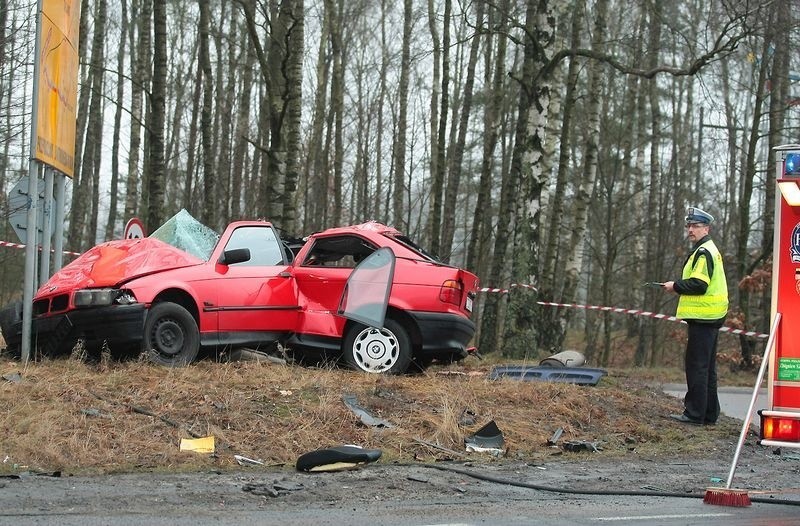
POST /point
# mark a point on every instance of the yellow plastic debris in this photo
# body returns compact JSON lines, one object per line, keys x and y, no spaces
{"x":198,"y":445}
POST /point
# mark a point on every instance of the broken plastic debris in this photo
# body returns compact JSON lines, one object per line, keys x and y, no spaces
{"x":554,"y":439}
{"x":13,"y":377}
{"x":336,"y":458}
{"x":580,"y":445}
{"x":244,"y":461}
{"x":244,"y":354}
{"x":366,"y":418}
{"x":467,"y":417}
{"x":198,"y":445}
{"x":543,"y":373}
{"x":95,"y":412}
{"x":488,"y":439}
{"x":564,"y":359}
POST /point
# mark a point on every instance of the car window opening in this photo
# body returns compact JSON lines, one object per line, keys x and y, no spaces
{"x":339,"y":252}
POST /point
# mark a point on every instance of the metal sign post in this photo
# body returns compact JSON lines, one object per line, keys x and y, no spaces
{"x":47,"y":231}
{"x":33,"y":193}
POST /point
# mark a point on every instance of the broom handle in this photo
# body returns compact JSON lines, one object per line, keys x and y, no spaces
{"x":770,"y":343}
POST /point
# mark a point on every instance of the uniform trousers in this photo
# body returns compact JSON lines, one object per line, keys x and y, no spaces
{"x":701,"y":402}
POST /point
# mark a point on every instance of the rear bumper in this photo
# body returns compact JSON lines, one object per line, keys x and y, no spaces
{"x":118,"y":323}
{"x":443,"y":334}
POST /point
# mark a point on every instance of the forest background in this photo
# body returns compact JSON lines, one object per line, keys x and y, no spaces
{"x":551,"y":143}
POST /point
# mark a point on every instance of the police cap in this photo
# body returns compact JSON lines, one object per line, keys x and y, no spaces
{"x":695,"y":215}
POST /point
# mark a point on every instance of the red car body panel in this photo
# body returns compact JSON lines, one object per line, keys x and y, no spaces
{"x":114,"y":262}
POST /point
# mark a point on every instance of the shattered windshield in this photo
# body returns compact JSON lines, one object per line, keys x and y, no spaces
{"x":188,"y":234}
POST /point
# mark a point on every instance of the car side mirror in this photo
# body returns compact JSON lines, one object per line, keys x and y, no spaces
{"x":234,"y":255}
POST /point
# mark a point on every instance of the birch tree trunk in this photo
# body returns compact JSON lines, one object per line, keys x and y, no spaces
{"x":438,"y":174}
{"x":208,"y":212}
{"x":294,"y":93}
{"x":585,"y":188}
{"x":479,"y":247}
{"x":552,"y":275}
{"x":156,"y":175}
{"x":242,"y":130}
{"x":141,"y":12}
{"x":455,"y":164}
{"x":652,"y":244}
{"x":114,"y":184}
{"x":399,"y":145}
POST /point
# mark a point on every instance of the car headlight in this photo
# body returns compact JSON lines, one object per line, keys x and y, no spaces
{"x":102,"y":297}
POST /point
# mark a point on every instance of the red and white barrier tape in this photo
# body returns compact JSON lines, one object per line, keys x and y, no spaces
{"x":18,"y":245}
{"x":620,"y":310}
{"x":506,"y":291}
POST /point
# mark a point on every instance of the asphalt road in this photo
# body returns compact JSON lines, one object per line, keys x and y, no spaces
{"x":409,"y":495}
{"x":733,"y":401}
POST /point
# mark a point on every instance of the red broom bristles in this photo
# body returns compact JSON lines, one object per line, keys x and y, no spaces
{"x":727,"y":497}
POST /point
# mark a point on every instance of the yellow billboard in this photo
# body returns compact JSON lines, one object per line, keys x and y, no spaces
{"x":57,"y":97}
{"x":65,"y":15}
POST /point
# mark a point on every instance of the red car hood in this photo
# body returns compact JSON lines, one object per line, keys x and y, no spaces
{"x":113,"y":262}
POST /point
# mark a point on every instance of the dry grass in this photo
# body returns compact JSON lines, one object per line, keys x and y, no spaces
{"x":107,"y":417}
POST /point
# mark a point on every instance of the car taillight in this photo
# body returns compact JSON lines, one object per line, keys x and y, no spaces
{"x":451,"y":292}
{"x":784,"y":429}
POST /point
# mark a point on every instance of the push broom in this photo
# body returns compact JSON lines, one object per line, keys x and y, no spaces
{"x":738,"y":497}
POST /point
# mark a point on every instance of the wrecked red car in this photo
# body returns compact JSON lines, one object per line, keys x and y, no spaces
{"x":365,"y":293}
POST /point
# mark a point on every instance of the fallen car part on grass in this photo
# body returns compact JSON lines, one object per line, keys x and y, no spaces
{"x":14,"y":378}
{"x":553,"y":440}
{"x":243,"y":354}
{"x":467,"y":418}
{"x":488,"y":439}
{"x":244,"y":461}
{"x":581,"y":445}
{"x":564,"y":359}
{"x":573,"y":375}
{"x":198,"y":445}
{"x":365,"y":416}
{"x":337,"y":458}
{"x":95,"y":413}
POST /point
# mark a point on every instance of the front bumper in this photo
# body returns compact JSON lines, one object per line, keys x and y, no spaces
{"x":443,"y":334}
{"x":117,"y":323}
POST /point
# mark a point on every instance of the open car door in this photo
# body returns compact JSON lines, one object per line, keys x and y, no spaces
{"x":366,"y":293}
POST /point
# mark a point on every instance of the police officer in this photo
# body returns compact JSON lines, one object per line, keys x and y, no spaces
{"x":703,"y":304}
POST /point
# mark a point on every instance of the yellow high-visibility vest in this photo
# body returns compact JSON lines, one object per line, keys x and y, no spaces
{"x":713,"y":305}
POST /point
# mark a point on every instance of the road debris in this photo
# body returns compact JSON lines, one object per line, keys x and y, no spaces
{"x":95,"y":413}
{"x":14,"y":378}
{"x":337,"y":458}
{"x":581,"y":445}
{"x":244,"y":461}
{"x":553,"y":440}
{"x":198,"y":445}
{"x":488,"y":439}
{"x":365,"y":416}
{"x":274,"y":489}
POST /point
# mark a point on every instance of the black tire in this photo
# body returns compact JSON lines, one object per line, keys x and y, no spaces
{"x":384,"y":351}
{"x":171,"y":336}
